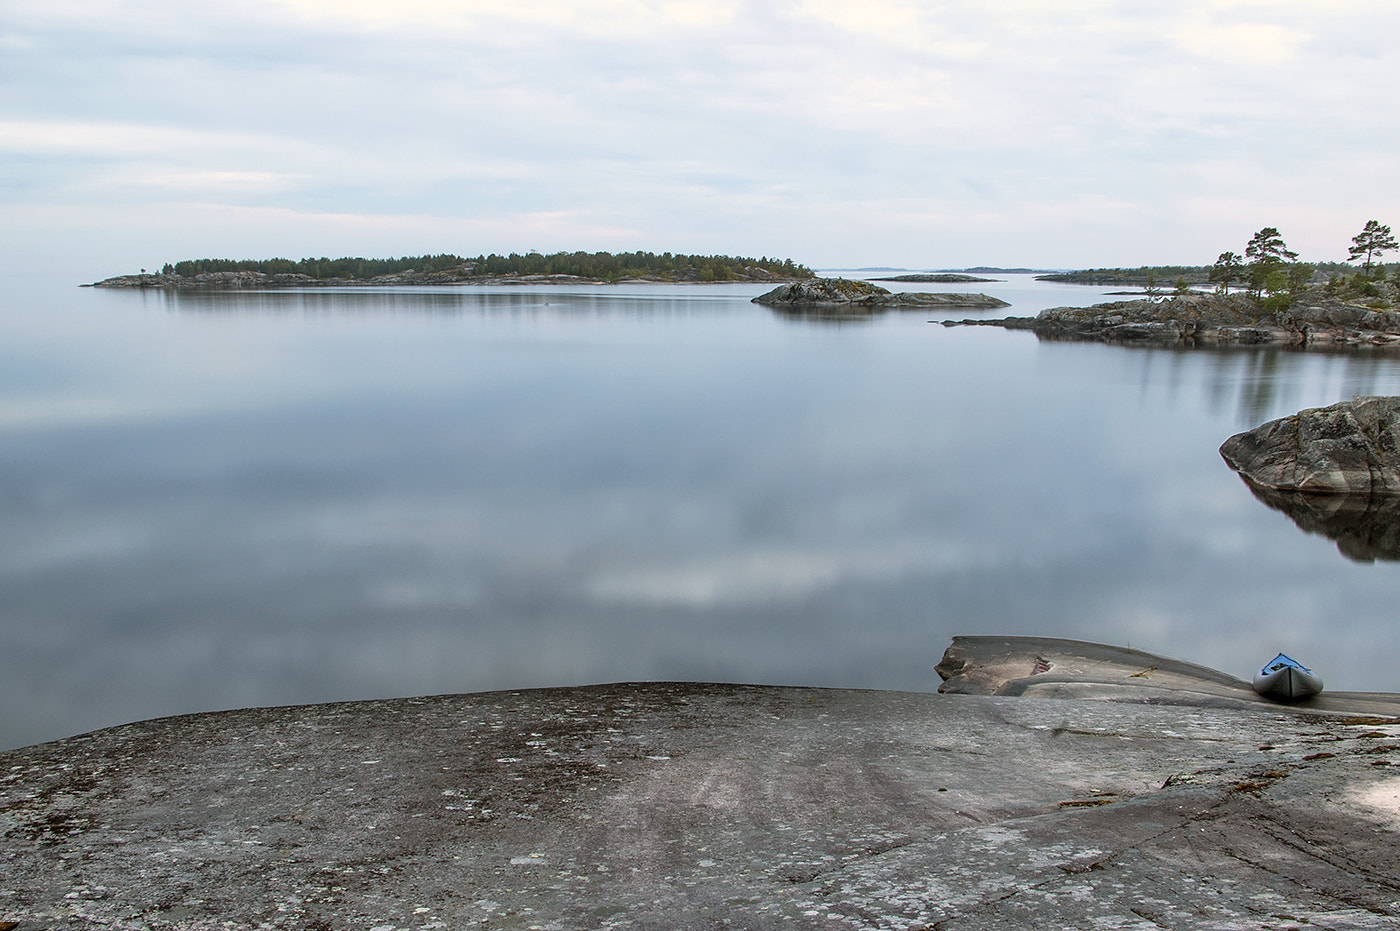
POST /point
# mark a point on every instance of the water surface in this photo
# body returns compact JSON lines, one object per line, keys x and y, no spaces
{"x":213,"y":501}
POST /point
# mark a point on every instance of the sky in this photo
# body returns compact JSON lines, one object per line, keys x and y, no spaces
{"x":839,"y":133}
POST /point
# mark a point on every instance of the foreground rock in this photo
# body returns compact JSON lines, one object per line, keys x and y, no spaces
{"x":690,"y":805}
{"x":1350,"y":448}
{"x":862,"y":296}
{"x":1314,"y":321}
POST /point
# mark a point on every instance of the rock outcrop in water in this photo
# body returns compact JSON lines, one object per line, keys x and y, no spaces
{"x":862,"y":295}
{"x":1351,"y":448}
{"x":1313,"y":321}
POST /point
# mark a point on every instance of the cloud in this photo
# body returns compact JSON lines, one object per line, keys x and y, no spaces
{"x":177,"y":180}
{"x":815,"y":128}
{"x":81,"y":137}
{"x":910,"y":25}
{"x":1252,"y":43}
{"x":593,"y":18}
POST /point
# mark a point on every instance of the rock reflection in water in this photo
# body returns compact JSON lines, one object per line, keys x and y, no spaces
{"x":829,"y":313}
{"x":1365,"y":527}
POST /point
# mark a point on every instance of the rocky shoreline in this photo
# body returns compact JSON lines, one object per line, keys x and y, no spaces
{"x":251,"y":280}
{"x":1314,"y":321}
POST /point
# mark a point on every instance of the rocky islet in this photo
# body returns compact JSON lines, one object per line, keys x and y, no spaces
{"x":858,"y":295}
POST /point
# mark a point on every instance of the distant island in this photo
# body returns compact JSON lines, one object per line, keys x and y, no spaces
{"x":448,"y":269}
{"x":1152,"y":275}
{"x":1192,"y":274}
{"x":998,"y":270}
{"x":935,"y":279}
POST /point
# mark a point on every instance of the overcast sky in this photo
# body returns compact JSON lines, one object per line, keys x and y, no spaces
{"x":835,"y":132}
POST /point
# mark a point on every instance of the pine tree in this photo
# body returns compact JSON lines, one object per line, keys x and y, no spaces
{"x":1227,"y":268}
{"x":1267,"y":248}
{"x":1373,"y":240}
{"x":1267,"y":256}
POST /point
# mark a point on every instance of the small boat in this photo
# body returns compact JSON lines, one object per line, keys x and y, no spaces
{"x":1285,"y":679}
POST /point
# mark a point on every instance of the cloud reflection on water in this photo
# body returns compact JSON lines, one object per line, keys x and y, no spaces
{"x":361,"y":505}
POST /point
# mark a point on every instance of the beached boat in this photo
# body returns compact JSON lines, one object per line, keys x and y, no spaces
{"x":1285,"y":679}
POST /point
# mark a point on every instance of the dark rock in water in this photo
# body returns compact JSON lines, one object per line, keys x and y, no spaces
{"x":1365,"y":527}
{"x":862,"y":294}
{"x":1350,"y":448}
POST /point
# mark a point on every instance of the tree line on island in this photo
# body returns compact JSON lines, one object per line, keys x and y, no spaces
{"x":598,"y":266}
{"x":1281,"y":301}
{"x":1268,"y":270}
{"x":1272,"y":274}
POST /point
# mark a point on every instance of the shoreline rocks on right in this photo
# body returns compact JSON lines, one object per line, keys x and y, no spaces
{"x":1314,"y":320}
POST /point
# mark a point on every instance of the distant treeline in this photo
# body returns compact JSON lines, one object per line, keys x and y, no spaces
{"x":1194,"y":274}
{"x":605,"y":266}
{"x":1169,"y":274}
{"x":320,"y":268}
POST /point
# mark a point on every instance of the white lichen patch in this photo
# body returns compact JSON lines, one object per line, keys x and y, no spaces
{"x":1381,"y":799}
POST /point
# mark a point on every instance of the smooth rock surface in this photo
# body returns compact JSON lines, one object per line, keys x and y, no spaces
{"x":1350,"y":448}
{"x":709,"y":806}
{"x":1049,"y":667}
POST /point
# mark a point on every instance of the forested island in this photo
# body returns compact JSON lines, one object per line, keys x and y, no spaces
{"x":1192,"y":274}
{"x":515,"y":268}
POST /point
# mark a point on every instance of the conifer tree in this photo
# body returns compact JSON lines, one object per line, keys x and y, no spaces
{"x":1266,"y":248}
{"x":1373,"y":241}
{"x":1267,"y":256}
{"x":1227,"y":268}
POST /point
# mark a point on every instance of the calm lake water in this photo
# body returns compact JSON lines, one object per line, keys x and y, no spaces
{"x":214,"y":501}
